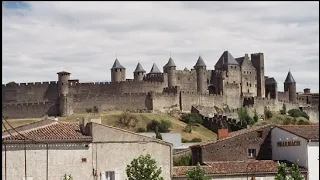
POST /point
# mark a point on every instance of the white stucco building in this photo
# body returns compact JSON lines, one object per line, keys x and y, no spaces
{"x":86,"y":151}
{"x":297,"y":142}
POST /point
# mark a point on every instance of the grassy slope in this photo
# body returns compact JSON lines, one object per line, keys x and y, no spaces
{"x":279,"y":119}
{"x":111,"y":118}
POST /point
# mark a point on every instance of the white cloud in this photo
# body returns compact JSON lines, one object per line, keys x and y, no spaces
{"x":84,"y":37}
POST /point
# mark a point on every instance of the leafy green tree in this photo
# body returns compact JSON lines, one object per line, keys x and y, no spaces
{"x":295,"y":172}
{"x":143,"y":168}
{"x":163,"y":126}
{"x":255,"y":116}
{"x":284,"y":109}
{"x":298,"y":113}
{"x":281,"y":171}
{"x":244,"y":117}
{"x":197,"y":173}
{"x":183,"y":160}
{"x":267,"y":113}
{"x":191,"y":118}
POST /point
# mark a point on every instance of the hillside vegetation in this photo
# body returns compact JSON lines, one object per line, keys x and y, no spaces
{"x":140,"y":121}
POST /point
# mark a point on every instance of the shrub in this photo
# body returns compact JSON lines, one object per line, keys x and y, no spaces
{"x":244,"y":117}
{"x":191,"y":118}
{"x":187,"y":129}
{"x":255,"y":116}
{"x":267,"y":113}
{"x":141,"y":129}
{"x":128,"y":119}
{"x":302,"y":122}
{"x":197,"y":173}
{"x":183,"y":160}
{"x":163,"y":126}
{"x":284,"y":109}
{"x":298,"y":113}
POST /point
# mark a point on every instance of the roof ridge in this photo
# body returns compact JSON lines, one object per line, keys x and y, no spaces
{"x":251,"y":129}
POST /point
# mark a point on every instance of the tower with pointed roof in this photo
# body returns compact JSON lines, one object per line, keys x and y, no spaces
{"x":118,"y":72}
{"x":200,"y":68}
{"x":155,"y":69}
{"x":257,"y":61}
{"x":170,"y":69}
{"x":290,"y":87}
{"x":63,"y":84}
{"x":138,"y":73}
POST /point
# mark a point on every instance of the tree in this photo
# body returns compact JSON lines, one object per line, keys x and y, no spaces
{"x":128,"y":119}
{"x":298,"y":113}
{"x":255,"y":116}
{"x":183,"y":160}
{"x":191,"y":118}
{"x":244,"y":117}
{"x":89,"y":110}
{"x":95,"y":110}
{"x":158,"y":135}
{"x":143,"y":168}
{"x":295,"y":172}
{"x":281,"y":171}
{"x":163,"y":126}
{"x":284,"y":109}
{"x":197,"y":173}
{"x":267,"y":113}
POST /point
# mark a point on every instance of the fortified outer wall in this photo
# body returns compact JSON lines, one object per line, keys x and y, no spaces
{"x":29,"y":110}
{"x":218,"y":121}
{"x":131,"y":101}
{"x":187,"y":80}
{"x":165,"y":102}
{"x":128,"y":86}
{"x":189,"y":99}
{"x":30,"y":92}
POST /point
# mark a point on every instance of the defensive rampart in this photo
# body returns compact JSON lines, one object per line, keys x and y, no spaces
{"x":29,"y":110}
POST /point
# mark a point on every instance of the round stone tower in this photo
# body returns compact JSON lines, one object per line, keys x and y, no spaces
{"x":170,"y":69}
{"x":290,"y":87}
{"x":138,"y":74}
{"x":200,"y":68}
{"x":63,"y":83}
{"x":118,"y":72}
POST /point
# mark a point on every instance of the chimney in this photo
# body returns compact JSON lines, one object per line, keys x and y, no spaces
{"x":223,"y":132}
{"x":306,"y":91}
{"x":84,"y":128}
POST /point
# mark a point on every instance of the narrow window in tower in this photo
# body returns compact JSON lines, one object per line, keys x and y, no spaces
{"x":247,"y":84}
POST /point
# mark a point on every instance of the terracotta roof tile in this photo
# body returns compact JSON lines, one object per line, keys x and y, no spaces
{"x":235,"y":133}
{"x":305,"y":131}
{"x":55,"y":131}
{"x":233,"y":167}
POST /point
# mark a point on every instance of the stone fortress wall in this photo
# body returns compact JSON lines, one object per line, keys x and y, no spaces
{"x":234,"y":83}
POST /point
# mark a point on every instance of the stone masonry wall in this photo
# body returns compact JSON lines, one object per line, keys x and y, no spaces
{"x":30,"y":110}
{"x":189,"y":99}
{"x":132,"y":101}
{"x":30,"y":92}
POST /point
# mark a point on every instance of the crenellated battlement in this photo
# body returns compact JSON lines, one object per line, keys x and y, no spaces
{"x":169,"y":90}
{"x":27,"y":104}
{"x":202,"y":94}
{"x":29,"y":84}
{"x":75,"y":84}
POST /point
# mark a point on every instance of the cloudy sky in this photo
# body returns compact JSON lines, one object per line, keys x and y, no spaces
{"x":42,"y":38}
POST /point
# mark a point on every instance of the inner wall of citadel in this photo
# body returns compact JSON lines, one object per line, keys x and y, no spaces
{"x":234,"y":82}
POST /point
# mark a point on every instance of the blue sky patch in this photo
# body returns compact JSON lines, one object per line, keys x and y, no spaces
{"x":15,"y":5}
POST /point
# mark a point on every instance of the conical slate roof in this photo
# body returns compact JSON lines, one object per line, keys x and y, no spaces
{"x":226,"y":58}
{"x":200,"y":63}
{"x":270,"y":81}
{"x":289,"y":78}
{"x":139,"y":68}
{"x":155,"y":69}
{"x":117,"y":65}
{"x":170,"y":63}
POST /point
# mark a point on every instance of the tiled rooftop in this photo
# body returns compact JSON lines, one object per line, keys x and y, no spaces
{"x":55,"y":131}
{"x":305,"y":131}
{"x":236,"y":133}
{"x":233,"y":167}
